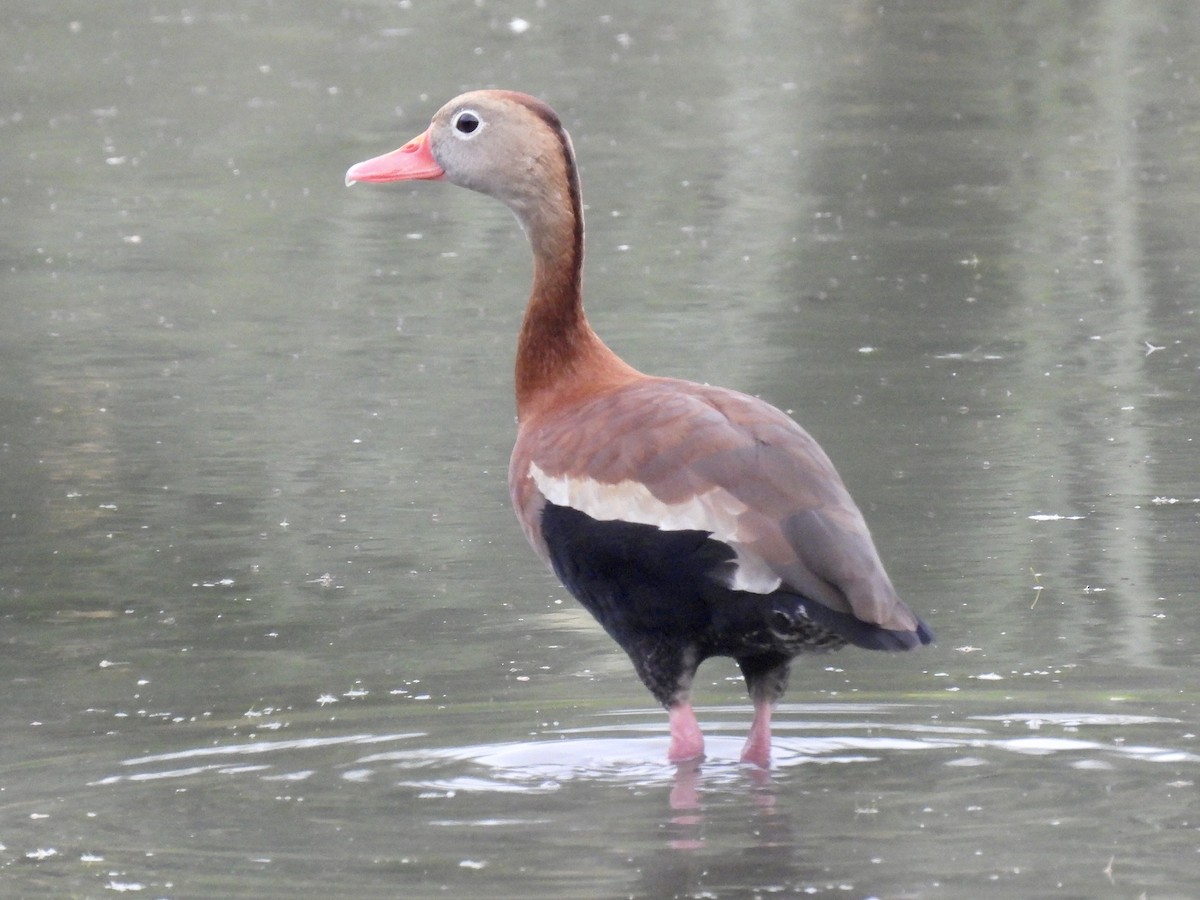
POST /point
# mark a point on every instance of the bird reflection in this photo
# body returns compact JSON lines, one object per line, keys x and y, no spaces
{"x":739,"y":843}
{"x":766,"y":823}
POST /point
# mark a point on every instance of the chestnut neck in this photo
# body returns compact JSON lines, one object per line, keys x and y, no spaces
{"x":558,"y":354}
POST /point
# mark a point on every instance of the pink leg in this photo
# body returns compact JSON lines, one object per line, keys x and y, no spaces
{"x":686,"y":740}
{"x":757,"y":751}
{"x":685,"y":793}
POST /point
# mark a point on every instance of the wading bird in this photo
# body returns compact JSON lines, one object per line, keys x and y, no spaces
{"x":691,"y":521}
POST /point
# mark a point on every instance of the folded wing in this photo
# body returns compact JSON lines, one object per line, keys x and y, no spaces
{"x":682,"y":456}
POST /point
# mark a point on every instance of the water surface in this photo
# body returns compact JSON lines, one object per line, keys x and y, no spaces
{"x":269,"y":627}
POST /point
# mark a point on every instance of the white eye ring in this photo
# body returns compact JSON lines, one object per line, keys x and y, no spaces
{"x":466,"y":124}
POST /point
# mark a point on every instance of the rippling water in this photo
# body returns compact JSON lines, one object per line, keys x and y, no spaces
{"x":866,"y":799}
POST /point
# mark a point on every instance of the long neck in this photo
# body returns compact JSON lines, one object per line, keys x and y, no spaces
{"x":557,"y":351}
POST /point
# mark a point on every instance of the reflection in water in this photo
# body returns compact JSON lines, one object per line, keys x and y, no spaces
{"x":861,"y":771}
{"x":863,"y":797}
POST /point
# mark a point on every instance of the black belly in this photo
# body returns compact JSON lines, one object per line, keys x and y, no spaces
{"x":651,"y":588}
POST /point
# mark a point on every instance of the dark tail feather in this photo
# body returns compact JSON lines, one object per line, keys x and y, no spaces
{"x":864,"y":634}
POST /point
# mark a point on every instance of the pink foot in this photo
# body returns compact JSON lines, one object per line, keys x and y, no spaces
{"x":687,"y":742}
{"x":757,"y":751}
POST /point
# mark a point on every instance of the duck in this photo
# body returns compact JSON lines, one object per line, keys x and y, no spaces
{"x":691,"y":521}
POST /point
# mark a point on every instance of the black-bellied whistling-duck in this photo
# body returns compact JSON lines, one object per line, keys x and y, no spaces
{"x":691,"y":521}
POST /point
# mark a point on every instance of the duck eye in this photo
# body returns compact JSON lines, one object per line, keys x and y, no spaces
{"x":466,"y":122}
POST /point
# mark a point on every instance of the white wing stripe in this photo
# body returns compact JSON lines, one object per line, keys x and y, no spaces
{"x":715,"y":511}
